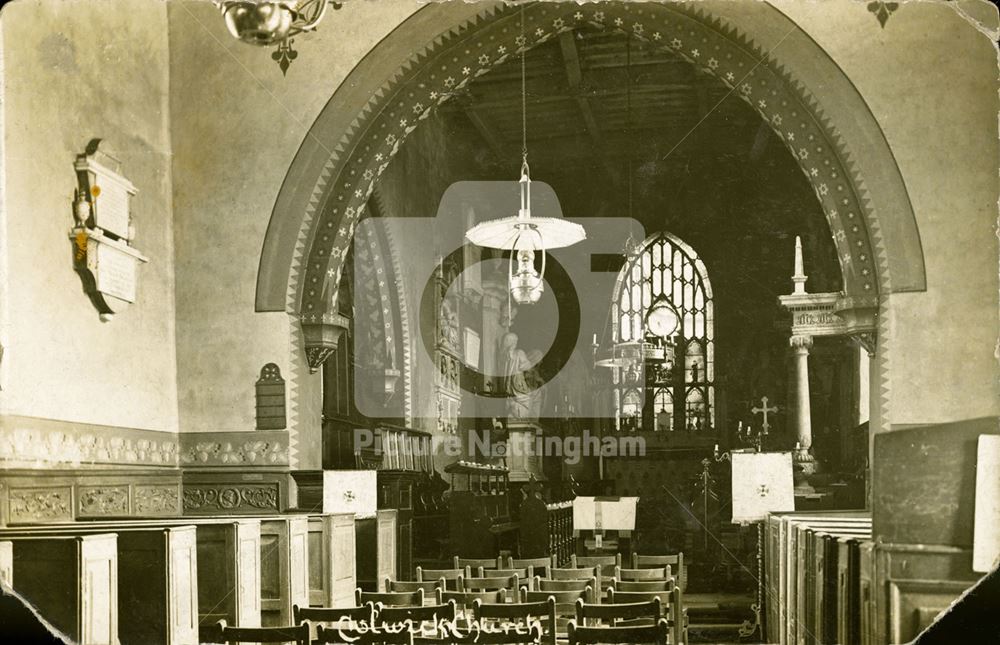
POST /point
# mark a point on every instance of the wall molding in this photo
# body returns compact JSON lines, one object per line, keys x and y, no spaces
{"x":268,"y":448}
{"x":30,"y":442}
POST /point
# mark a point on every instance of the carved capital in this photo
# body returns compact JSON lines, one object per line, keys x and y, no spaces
{"x":321,"y":338}
{"x":801,"y":344}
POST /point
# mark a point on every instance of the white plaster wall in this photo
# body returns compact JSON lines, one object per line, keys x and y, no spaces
{"x":237,"y":123}
{"x":75,"y":70}
{"x":930,"y":78}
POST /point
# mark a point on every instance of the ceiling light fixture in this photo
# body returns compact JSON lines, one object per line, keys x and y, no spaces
{"x":523,"y":234}
{"x":265,"y":23}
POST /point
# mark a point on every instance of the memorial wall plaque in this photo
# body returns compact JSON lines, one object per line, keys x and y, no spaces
{"x":102,"y":238}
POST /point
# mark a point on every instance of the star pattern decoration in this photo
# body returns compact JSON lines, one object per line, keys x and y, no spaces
{"x":737,"y":59}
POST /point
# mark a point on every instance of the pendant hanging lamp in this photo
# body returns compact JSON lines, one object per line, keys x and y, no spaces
{"x":524,"y":235}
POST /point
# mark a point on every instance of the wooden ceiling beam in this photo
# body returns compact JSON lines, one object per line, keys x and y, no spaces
{"x":574,"y":77}
{"x":489,"y":135}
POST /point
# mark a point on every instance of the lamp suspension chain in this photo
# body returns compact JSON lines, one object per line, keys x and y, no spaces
{"x":628,"y":117}
{"x":524,"y":98}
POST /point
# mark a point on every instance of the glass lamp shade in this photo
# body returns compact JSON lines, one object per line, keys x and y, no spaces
{"x":526,"y":233}
{"x":258,"y":23}
{"x":526,"y":287}
{"x":526,"y":284}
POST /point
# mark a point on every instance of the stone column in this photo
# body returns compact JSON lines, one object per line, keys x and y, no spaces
{"x":803,"y":420}
{"x":805,"y":463}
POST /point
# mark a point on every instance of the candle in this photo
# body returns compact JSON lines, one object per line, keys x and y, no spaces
{"x":595,"y":340}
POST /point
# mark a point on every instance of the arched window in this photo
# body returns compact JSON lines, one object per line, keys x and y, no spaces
{"x":663,"y":302}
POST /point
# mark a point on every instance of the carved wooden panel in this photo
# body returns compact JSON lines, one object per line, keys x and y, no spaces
{"x":154,"y":500}
{"x":342,"y":561}
{"x":7,"y":564}
{"x":40,"y":504}
{"x":98,"y":501}
{"x":242,"y":498}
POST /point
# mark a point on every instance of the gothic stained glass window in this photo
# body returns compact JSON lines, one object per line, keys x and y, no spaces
{"x":663,"y":300}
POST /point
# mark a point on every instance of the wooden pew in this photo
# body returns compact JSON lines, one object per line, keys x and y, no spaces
{"x":245,"y":580}
{"x":785,"y":582}
{"x":332,"y":566}
{"x":849,"y":588}
{"x":827,"y":601}
{"x":284,"y":556}
{"x":376,"y":549}
{"x":805,"y":583}
{"x":219,"y":579}
{"x":7,"y":564}
{"x":157,"y":581}
{"x":72,"y":581}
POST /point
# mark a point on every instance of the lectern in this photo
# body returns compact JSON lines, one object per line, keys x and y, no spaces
{"x":600,"y":514}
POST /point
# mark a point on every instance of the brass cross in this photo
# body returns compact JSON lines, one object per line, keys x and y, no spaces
{"x":755,"y":410}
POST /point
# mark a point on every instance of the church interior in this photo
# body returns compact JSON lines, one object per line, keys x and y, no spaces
{"x":603,"y":322}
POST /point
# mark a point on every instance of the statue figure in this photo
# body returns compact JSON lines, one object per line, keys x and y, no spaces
{"x":533,"y":378}
{"x":514,"y":382}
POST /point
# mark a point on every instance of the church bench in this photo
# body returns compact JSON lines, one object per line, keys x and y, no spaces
{"x":828,"y":601}
{"x":544,"y":612}
{"x":286,"y":573}
{"x":781,"y":571}
{"x":786,"y":567}
{"x":812,"y":579}
{"x":611,"y":614}
{"x":226,"y":562}
{"x":332,"y":562}
{"x":6,"y":563}
{"x":674,"y":561}
{"x":72,"y":580}
{"x":376,"y":548}
{"x":284,"y":559}
{"x":633,"y":635}
{"x":221,"y":632}
{"x":672,"y":602}
{"x":849,"y":604}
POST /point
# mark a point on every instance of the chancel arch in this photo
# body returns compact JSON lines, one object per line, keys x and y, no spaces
{"x":440,"y":52}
